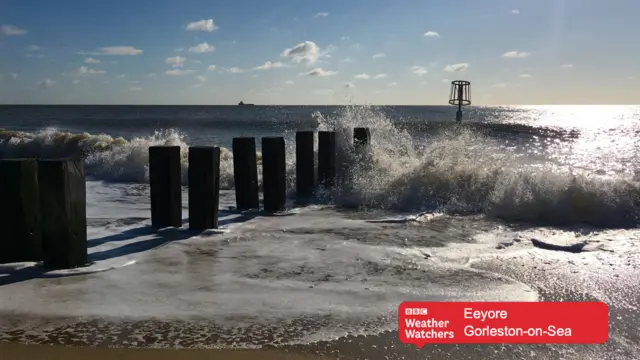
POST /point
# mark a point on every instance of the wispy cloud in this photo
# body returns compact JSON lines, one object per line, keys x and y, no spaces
{"x":515,"y":54}
{"x":431,"y":34}
{"x":567,"y":66}
{"x":75,"y":82}
{"x":202,"y":25}
{"x":526,"y":76}
{"x":201,"y":78}
{"x":178,"y":72}
{"x":269,"y":65}
{"x":515,"y":11}
{"x":135,"y":88}
{"x":380,"y":76}
{"x":90,"y":60}
{"x":121,"y":76}
{"x":46,"y":83}
{"x":211,"y":67}
{"x":392,"y":84}
{"x":234,"y":70}
{"x":114,"y":50}
{"x":84,"y":71}
{"x":345,"y":38}
{"x":378,"y":56}
{"x":11,"y":30}
{"x":320,"y":72}
{"x":306,"y":53}
{"x":202,"y":48}
{"x":419,"y":70}
{"x":34,"y":48}
{"x":321,"y":14}
{"x":499,"y":86}
{"x":176,"y":61}
{"x":362,"y":76}
{"x":461,"y":67}
{"x":347,"y":59}
{"x":289,"y":82}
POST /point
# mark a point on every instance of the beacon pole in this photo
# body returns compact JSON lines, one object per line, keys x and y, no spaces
{"x":460,"y":96}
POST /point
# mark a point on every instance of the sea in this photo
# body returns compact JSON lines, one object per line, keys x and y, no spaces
{"x":516,"y":203}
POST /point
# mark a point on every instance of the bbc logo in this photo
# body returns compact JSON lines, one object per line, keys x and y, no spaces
{"x":416,"y":311}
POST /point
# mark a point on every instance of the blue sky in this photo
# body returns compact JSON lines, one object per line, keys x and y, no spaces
{"x":318,"y":52}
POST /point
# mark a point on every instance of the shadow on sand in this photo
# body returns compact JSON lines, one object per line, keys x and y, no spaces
{"x":9,"y":274}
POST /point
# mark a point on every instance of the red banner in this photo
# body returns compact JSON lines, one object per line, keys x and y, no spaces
{"x":422,"y":323}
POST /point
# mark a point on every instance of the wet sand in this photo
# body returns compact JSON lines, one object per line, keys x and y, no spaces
{"x":10,"y":351}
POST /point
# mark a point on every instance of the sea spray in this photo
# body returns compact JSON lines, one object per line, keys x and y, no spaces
{"x":466,"y":171}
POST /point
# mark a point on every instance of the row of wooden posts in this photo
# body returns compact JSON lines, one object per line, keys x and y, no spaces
{"x":43,"y":201}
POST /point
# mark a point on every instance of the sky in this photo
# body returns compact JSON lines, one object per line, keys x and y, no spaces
{"x":299,"y":52}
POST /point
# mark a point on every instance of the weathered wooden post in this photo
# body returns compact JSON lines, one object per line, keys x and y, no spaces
{"x":63,"y":204}
{"x":274,"y":174}
{"x":326,"y":158}
{"x":165,"y":181}
{"x":204,"y":187}
{"x":305,"y":163}
{"x":361,"y":137}
{"x":245,"y":173}
{"x":20,"y":233}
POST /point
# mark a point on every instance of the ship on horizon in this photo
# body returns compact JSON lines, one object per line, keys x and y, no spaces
{"x":241,"y":103}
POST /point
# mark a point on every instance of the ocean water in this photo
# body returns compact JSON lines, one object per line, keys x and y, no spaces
{"x":429,"y":211}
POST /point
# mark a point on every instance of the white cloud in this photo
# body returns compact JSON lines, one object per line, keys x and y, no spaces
{"x":515,"y":54}
{"x":135,"y":88}
{"x":269,"y":65}
{"x":46,"y":83}
{"x":234,"y":70}
{"x":515,"y":11}
{"x":431,"y":34}
{"x":34,"y":48}
{"x":362,"y":76}
{"x":378,"y":56}
{"x":196,"y":85}
{"x":461,"y":67}
{"x":526,"y":76}
{"x":357,"y":46}
{"x":289,"y":82}
{"x":176,"y":61}
{"x":345,"y":38}
{"x":151,"y":75}
{"x":178,"y":72}
{"x":321,"y":14}
{"x":349,"y":85}
{"x":211,"y":67}
{"x":201,"y":78}
{"x":202,"y":25}
{"x":567,"y":66}
{"x":348,"y":59}
{"x":75,"y":82}
{"x":419,"y":70}
{"x":14,"y":76}
{"x":35,"y":56}
{"x":134,"y":82}
{"x":306,"y":53}
{"x":11,"y":30}
{"x":320,"y":72}
{"x":115,"y":50}
{"x":121,"y":76}
{"x":83,"y":70}
{"x":499,"y":86}
{"x":90,"y":60}
{"x":380,"y":76}
{"x":202,"y":48}
{"x":392,"y":84}
{"x":197,"y":62}
{"x":254,"y":76}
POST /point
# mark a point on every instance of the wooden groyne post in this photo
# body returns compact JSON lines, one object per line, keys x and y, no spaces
{"x":204,"y":187}
{"x":305,"y":163}
{"x":274,"y":174}
{"x":63,"y":203}
{"x":166,"y":186}
{"x":20,"y":232}
{"x":361,"y":137}
{"x":326,"y":158}
{"x":245,"y":173}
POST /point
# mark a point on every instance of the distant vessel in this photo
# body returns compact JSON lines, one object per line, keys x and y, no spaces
{"x":243,"y":104}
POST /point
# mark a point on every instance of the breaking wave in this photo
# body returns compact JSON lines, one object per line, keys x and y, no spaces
{"x":459,"y":170}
